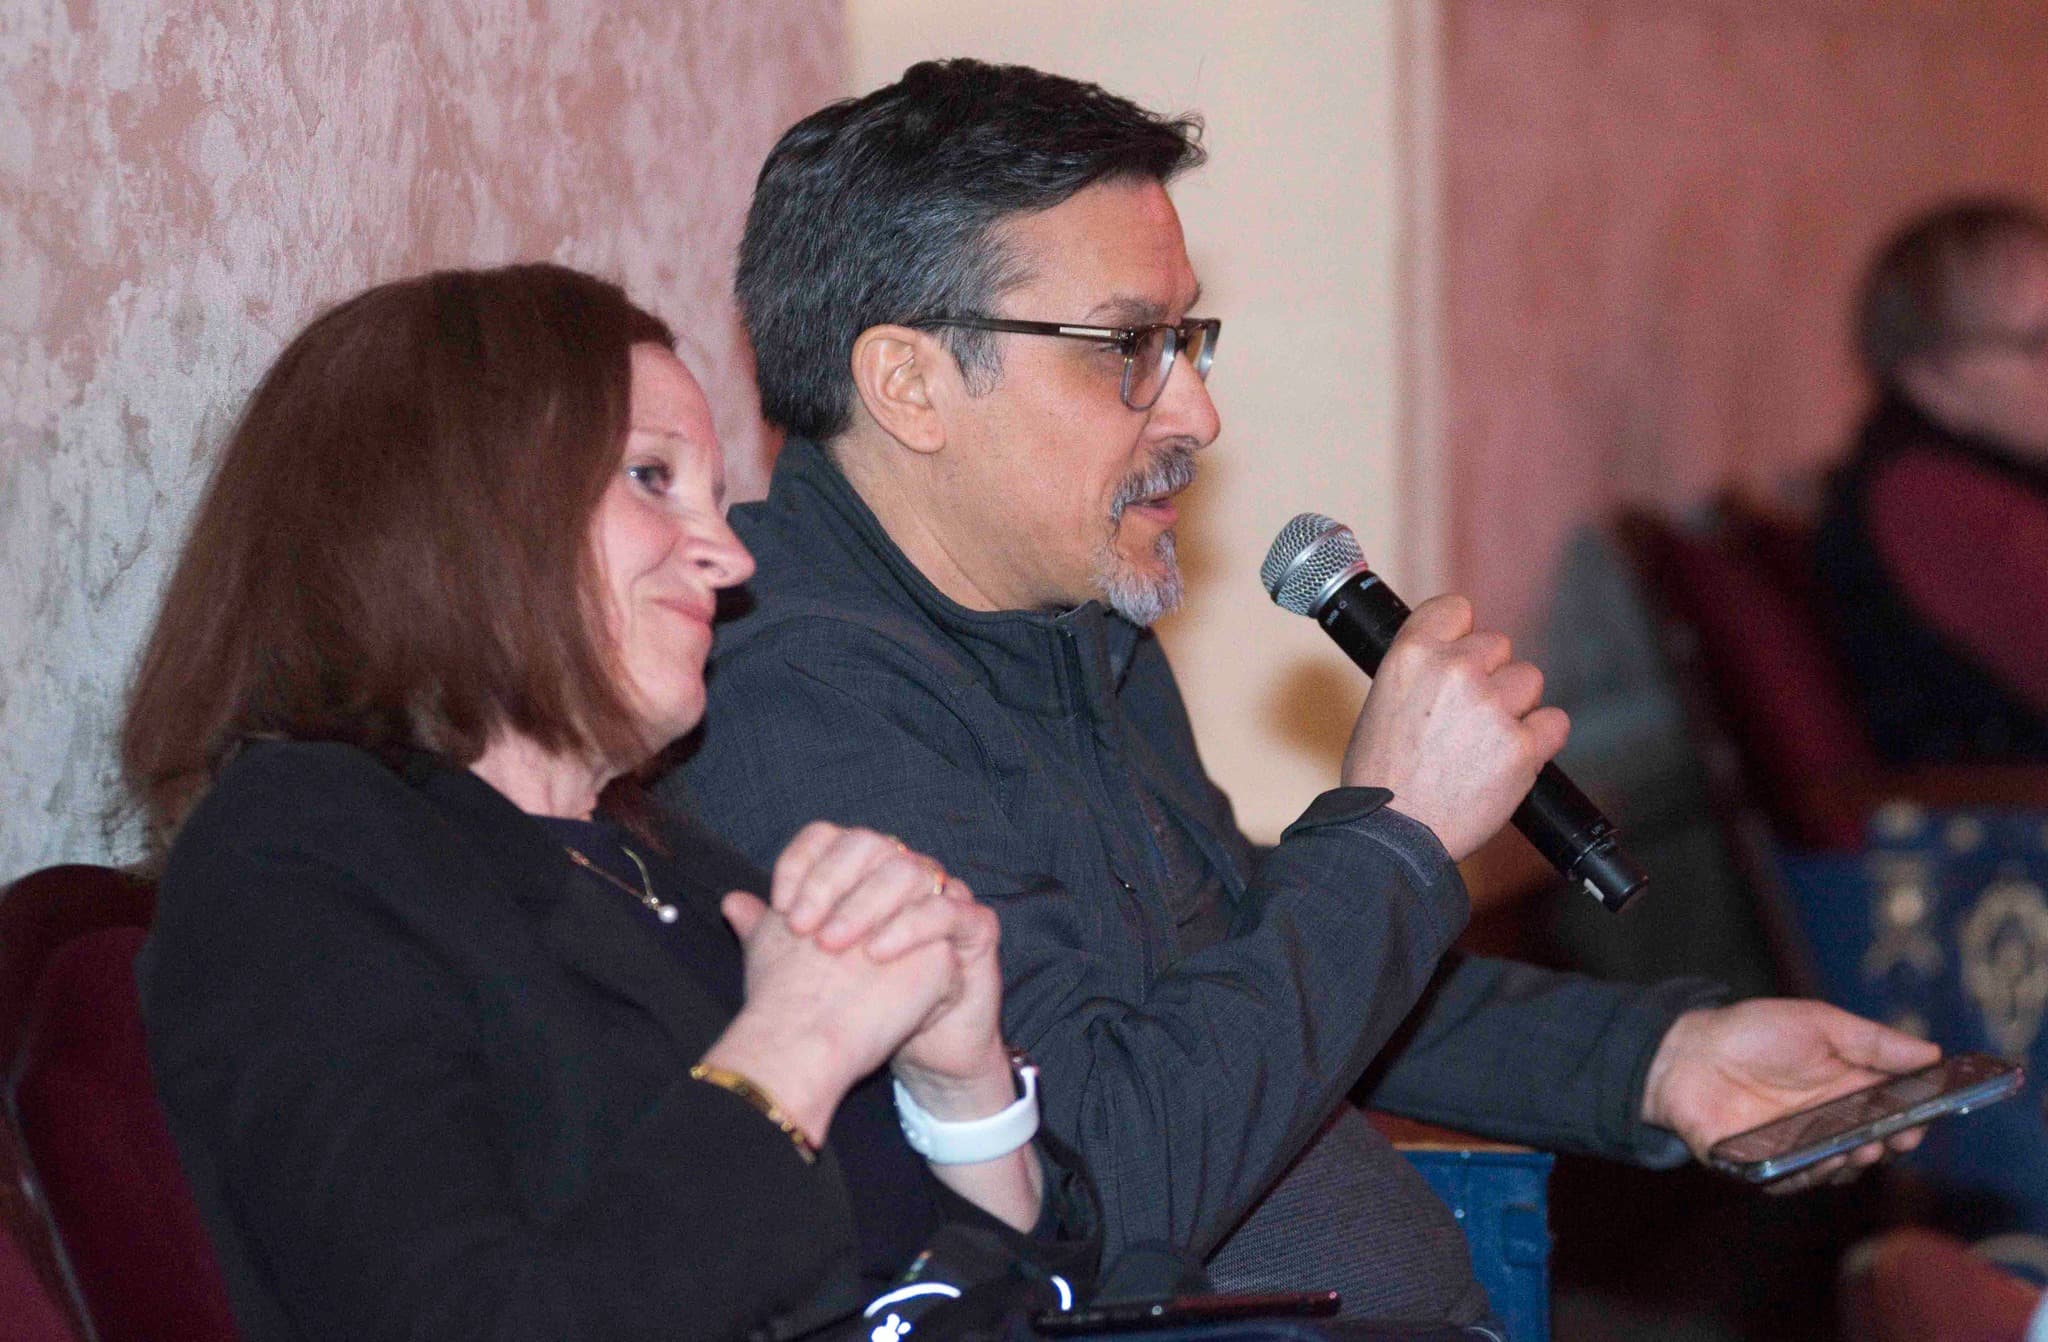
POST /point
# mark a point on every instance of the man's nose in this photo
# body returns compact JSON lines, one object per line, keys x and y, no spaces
{"x":1184,"y":406}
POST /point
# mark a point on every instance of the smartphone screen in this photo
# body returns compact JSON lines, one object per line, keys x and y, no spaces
{"x":1955,"y":1085}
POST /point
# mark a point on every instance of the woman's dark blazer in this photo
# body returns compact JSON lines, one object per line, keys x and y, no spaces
{"x":430,"y":1081}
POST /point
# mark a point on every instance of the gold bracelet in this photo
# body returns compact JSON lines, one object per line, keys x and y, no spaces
{"x":759,"y":1098}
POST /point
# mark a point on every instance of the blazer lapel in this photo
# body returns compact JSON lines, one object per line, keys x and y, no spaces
{"x":595,"y":932}
{"x":588,"y":926}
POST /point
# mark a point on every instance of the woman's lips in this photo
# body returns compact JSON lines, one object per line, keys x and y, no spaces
{"x":697,"y":612}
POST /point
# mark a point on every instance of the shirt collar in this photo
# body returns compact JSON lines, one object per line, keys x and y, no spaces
{"x":1015,"y":650}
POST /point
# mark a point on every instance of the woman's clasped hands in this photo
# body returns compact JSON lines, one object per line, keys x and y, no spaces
{"x":866,"y":952}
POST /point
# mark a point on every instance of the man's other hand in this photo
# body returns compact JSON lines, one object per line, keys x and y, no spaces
{"x":1453,"y":726}
{"x":1724,"y":1070}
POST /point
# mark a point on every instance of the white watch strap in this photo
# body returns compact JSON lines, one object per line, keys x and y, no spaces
{"x":978,"y":1139}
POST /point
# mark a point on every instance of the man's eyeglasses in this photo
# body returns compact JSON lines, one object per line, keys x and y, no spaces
{"x":1149,"y":351}
{"x":2031,"y":341}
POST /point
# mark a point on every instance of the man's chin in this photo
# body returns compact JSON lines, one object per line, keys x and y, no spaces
{"x":1141,"y":596}
{"x":1142,"y":589}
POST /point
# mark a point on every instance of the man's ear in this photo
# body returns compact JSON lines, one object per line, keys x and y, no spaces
{"x":897,"y":371}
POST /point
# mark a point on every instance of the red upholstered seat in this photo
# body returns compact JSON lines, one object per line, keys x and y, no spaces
{"x":1736,"y":602}
{"x":96,"y":1134}
{"x":1782,"y":694}
{"x":1917,"y":1285}
{"x":29,"y":1302}
{"x":38,"y":914}
{"x":45,"y":909}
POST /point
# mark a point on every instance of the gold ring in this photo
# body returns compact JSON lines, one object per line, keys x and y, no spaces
{"x":938,"y":878}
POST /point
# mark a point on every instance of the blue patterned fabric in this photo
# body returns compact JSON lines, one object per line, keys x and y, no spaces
{"x":1939,"y":925}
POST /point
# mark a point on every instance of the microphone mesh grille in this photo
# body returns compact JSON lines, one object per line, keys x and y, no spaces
{"x":1308,"y":552}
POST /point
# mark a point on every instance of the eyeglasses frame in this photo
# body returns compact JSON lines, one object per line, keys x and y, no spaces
{"x":2031,"y":342}
{"x":1180,"y":335}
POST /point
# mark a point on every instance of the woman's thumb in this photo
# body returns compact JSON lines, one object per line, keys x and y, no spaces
{"x":743,"y":912}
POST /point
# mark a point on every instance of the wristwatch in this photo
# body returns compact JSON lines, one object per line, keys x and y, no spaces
{"x":976,"y":1139}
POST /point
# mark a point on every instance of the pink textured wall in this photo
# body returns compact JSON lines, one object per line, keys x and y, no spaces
{"x":183,"y":185}
{"x":1655,"y":214}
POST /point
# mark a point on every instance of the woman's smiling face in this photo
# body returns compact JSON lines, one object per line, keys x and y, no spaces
{"x":663,"y":548}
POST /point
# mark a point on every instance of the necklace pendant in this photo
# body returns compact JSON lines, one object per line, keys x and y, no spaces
{"x":662,"y":910}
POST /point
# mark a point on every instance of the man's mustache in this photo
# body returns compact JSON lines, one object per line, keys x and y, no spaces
{"x":1172,"y":470}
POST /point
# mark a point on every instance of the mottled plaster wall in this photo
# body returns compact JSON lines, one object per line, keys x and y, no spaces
{"x":1654,"y":217}
{"x":182,"y":186}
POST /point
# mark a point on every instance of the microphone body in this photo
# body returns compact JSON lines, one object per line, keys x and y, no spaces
{"x":1315,"y":569}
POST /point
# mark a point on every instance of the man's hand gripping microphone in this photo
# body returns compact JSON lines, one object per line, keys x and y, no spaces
{"x":1315,"y":568}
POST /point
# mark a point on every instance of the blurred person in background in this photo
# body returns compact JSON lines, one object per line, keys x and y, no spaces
{"x":1933,"y":547}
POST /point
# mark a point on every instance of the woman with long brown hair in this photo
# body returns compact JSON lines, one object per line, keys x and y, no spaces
{"x":459,"y":1036}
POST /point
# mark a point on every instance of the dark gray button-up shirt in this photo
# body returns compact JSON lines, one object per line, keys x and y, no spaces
{"x":1200,"y":1010}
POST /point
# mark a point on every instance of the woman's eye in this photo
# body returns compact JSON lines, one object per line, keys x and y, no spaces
{"x":651,"y":476}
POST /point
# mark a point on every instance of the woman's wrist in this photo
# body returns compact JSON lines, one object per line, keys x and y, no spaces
{"x":797,"y":1072}
{"x":763,"y":1103}
{"x":992,"y":1134}
{"x":990,"y":1088}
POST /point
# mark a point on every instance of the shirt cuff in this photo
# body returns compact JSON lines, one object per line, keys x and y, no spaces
{"x":1650,"y":1018}
{"x":1337,"y":806}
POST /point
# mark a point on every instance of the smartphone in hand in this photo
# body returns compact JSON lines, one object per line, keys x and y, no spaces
{"x":1955,"y":1085}
{"x":1181,"y":1311}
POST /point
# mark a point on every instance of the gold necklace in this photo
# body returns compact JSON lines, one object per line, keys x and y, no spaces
{"x":645,"y":894}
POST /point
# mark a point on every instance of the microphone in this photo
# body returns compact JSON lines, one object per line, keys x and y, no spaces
{"x":1315,"y":568}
